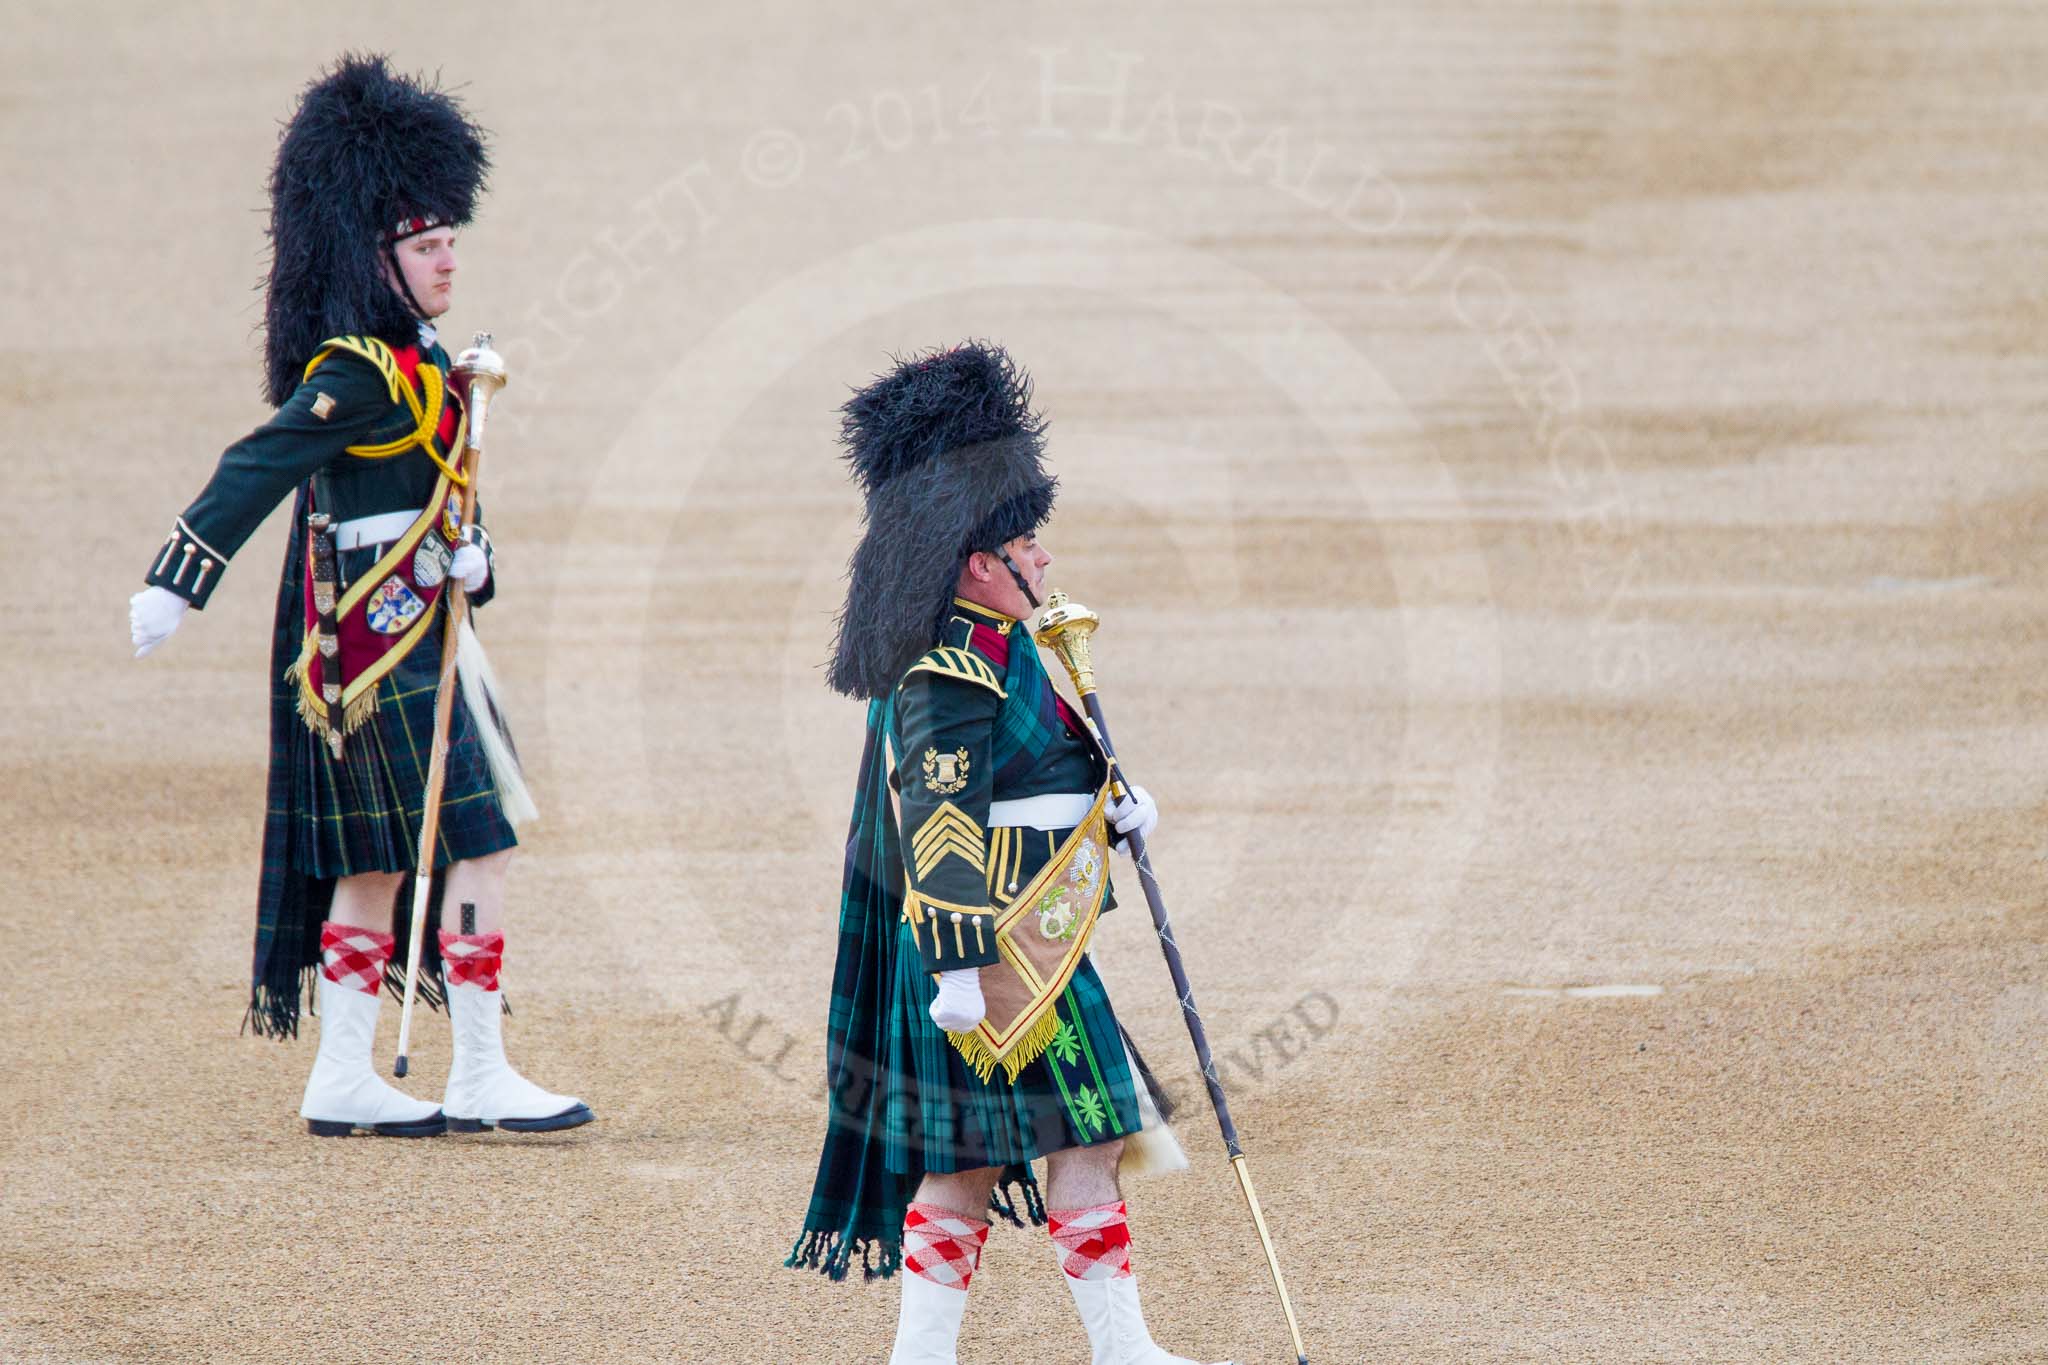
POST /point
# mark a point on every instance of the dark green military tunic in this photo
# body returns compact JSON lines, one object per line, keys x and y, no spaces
{"x":347,"y":402}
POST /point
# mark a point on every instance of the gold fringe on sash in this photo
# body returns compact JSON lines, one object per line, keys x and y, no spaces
{"x":313,"y":711}
{"x":975,"y":1051}
{"x":1033,"y":967}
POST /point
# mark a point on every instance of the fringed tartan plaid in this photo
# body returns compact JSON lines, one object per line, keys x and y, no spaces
{"x":326,"y":820}
{"x":857,"y":1202}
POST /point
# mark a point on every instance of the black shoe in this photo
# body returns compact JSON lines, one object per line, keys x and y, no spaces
{"x":433,"y":1125}
{"x":575,"y":1116}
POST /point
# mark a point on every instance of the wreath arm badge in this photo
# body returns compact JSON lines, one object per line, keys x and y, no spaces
{"x":945,"y":774}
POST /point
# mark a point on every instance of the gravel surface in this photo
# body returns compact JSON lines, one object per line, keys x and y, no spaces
{"x":1562,"y":485}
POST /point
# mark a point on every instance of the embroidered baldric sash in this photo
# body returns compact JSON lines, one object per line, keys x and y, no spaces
{"x":1040,"y":937}
{"x":388,"y":610}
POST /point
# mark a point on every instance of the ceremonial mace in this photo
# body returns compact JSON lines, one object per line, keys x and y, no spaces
{"x":1065,"y":629}
{"x":484,"y":369}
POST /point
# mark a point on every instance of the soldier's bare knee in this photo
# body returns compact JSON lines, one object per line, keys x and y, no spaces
{"x":1100,"y":1155}
{"x":491,"y":865}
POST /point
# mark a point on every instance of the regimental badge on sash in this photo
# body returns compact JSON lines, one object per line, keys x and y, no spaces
{"x":430,"y":561}
{"x":945,"y":773}
{"x":392,"y":607}
{"x":451,"y":518}
{"x":1059,"y":909}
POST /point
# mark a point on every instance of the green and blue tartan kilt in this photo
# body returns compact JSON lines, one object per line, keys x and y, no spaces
{"x":938,"y":1115}
{"x":363,"y":814}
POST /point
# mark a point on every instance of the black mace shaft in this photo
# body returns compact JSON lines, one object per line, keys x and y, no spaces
{"x":1155,"y":899}
{"x":1067,"y":629}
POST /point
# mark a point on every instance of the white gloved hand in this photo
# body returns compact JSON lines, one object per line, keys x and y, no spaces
{"x":959,"y":1006}
{"x":471,"y":565}
{"x":1134,"y":813}
{"x":153,"y":614}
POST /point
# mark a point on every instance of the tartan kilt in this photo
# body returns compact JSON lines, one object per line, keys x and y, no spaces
{"x":363,"y":813}
{"x":937,"y":1115}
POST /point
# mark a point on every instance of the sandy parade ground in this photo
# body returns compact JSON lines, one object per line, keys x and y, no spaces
{"x":1563,"y":488}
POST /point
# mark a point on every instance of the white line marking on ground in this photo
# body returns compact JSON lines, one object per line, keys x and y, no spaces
{"x":1582,"y":992}
{"x":1887,"y":583}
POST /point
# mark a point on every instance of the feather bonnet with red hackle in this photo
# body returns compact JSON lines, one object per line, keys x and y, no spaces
{"x":369,"y":157}
{"x":950,"y":458}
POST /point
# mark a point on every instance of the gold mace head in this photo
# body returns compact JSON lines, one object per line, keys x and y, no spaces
{"x":1065,"y":628}
{"x":481,"y":364}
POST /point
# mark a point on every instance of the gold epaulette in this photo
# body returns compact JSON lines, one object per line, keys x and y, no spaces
{"x":426,"y":405}
{"x":954,"y":662}
{"x":370,"y":349}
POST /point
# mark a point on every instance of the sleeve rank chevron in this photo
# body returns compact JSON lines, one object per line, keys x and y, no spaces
{"x":949,"y":830}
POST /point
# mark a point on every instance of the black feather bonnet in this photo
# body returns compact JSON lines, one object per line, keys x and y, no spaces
{"x":368,"y":157}
{"x":950,"y":458}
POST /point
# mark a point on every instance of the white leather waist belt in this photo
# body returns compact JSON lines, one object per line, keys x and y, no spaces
{"x":381,"y":529}
{"x":1054,"y":810}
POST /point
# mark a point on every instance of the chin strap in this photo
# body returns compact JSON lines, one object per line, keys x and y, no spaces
{"x":1003,"y":552}
{"x":398,"y":272}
